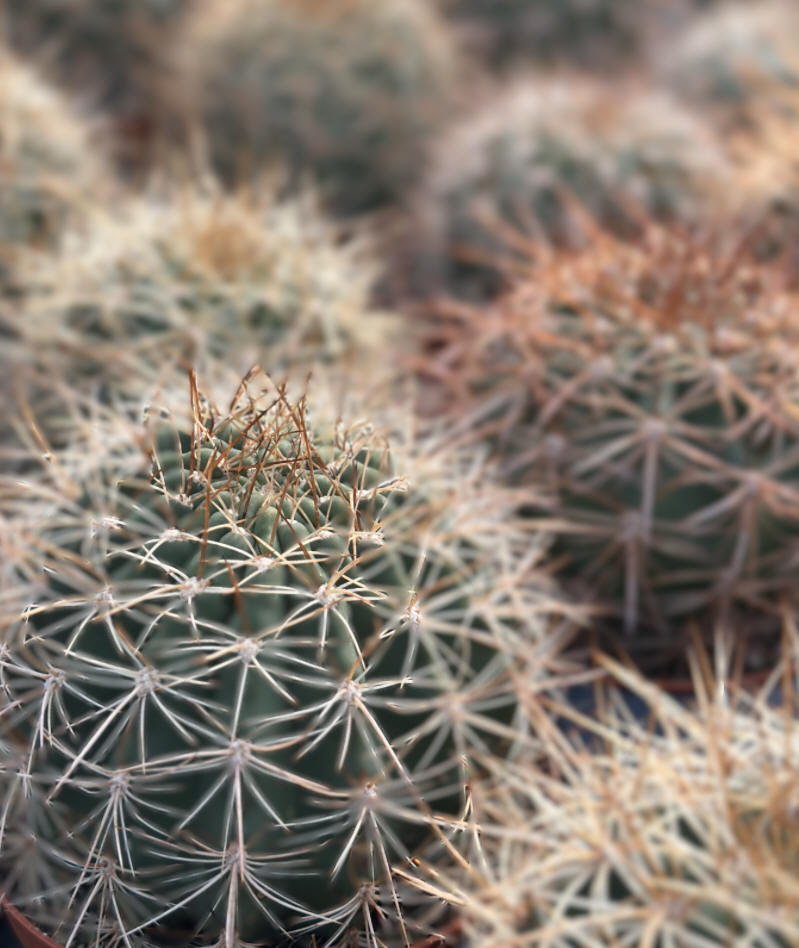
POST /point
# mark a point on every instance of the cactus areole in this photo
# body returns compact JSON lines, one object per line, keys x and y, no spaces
{"x":233,"y":694}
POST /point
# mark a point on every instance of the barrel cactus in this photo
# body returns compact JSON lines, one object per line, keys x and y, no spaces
{"x":672,"y":830}
{"x":113,"y":51}
{"x":653,"y":391}
{"x":190,"y":280}
{"x":589,"y":32}
{"x":549,"y":160}
{"x":344,"y":91}
{"x":259,"y":672}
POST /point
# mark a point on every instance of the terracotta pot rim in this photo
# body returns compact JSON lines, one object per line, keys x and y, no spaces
{"x":29,"y":935}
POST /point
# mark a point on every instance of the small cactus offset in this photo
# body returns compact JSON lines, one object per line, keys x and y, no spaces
{"x":254,"y":678}
{"x":554,"y":160}
{"x":345,"y":91}
{"x":653,"y":391}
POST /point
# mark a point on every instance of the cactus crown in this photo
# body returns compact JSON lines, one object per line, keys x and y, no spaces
{"x":253,"y":680}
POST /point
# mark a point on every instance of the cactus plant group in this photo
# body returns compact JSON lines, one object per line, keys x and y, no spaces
{"x":269,"y":677}
{"x":256,"y":676}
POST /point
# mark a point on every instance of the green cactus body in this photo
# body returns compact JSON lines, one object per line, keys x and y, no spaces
{"x":513,"y":32}
{"x":663,"y":424}
{"x":346,"y":92}
{"x":248,"y":686}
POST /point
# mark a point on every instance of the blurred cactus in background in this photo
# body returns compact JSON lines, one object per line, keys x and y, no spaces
{"x":191,"y":280}
{"x":653,"y":389}
{"x":555,"y":160}
{"x":595,"y":33}
{"x":261,"y":668}
{"x":114,"y":52}
{"x":49,"y":165}
{"x":115,"y":56}
{"x":674,"y":830}
{"x":737,"y":61}
{"x":347,"y":91}
{"x":738,"y":66}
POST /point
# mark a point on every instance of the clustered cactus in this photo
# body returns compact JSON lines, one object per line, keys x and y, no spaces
{"x":552,"y":160}
{"x":253,"y":678}
{"x":653,"y":395}
{"x":346,"y":91}
{"x":271,"y":678}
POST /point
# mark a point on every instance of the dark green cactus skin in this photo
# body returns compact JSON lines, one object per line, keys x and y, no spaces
{"x":348,"y":100}
{"x":261,"y":686}
{"x":109,"y":49}
{"x":510,"y":32}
